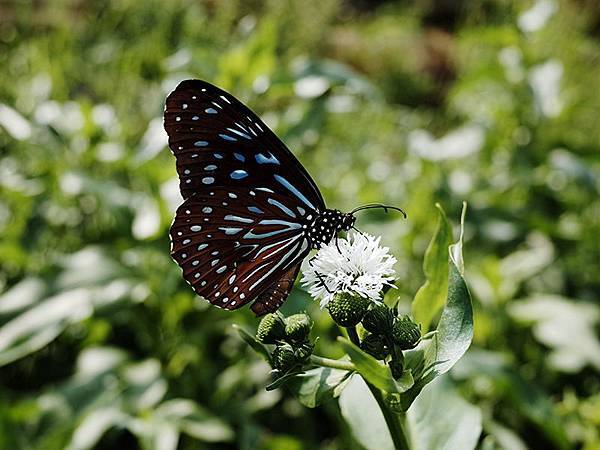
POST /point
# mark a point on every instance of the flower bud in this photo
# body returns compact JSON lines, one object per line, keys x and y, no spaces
{"x":379,"y":320}
{"x":297,"y":327}
{"x":397,"y":367}
{"x":304,"y":351}
{"x":283,"y":357}
{"x":375,"y":346}
{"x":270,"y":329}
{"x":347,"y":309}
{"x":406,"y":333}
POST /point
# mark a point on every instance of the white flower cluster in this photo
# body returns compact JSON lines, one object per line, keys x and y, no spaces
{"x":357,"y":264}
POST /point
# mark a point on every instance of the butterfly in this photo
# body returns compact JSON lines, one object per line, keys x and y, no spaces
{"x":251,"y":212}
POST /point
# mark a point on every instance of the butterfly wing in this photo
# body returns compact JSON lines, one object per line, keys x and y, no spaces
{"x":218,"y":141}
{"x":233,"y":247}
{"x":274,"y":296}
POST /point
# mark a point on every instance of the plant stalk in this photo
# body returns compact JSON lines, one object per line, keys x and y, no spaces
{"x":392,"y":419}
{"x":332,"y":363}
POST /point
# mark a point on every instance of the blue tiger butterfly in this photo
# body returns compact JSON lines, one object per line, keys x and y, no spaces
{"x":251,"y":212}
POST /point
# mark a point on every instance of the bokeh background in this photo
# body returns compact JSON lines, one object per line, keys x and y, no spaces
{"x":496,"y":102}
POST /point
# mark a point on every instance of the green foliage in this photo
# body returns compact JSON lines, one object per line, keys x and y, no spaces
{"x":410,"y":103}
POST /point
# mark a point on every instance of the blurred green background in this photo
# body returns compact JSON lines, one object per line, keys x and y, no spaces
{"x":496,"y":102}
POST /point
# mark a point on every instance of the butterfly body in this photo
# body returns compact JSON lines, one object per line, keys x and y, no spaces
{"x":251,"y":212}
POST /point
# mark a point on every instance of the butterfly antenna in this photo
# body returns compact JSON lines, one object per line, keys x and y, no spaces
{"x":378,"y":205}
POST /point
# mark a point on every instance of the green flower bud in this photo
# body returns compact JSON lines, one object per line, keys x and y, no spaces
{"x":406,"y":333}
{"x":347,"y":309}
{"x":270,"y":329}
{"x":375,"y":346}
{"x":283,"y":357}
{"x":298,"y":327}
{"x":379,"y":320}
{"x":397,"y":367}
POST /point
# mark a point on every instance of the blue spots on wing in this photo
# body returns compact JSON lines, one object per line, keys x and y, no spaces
{"x":218,"y":156}
{"x":255,"y":209}
{"x":230,"y":230}
{"x":238,"y":174}
{"x":200,"y":144}
{"x":290,"y":187}
{"x":262,"y":159}
{"x":227,"y":137}
{"x":239,"y":157}
{"x":210,"y":167}
{"x":208,"y":180}
{"x":195,"y":118}
{"x":210,"y":111}
{"x":282,"y":207}
{"x":239,"y":133}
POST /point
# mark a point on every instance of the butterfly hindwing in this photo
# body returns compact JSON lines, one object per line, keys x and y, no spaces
{"x":233,"y":245}
{"x":274,"y":296}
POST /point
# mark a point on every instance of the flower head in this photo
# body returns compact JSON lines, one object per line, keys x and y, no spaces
{"x":356,"y":265}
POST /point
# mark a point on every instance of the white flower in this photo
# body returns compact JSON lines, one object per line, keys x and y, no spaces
{"x":359,"y":266}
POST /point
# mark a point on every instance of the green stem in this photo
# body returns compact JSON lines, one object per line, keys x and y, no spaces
{"x":391,"y":418}
{"x":333,"y":363}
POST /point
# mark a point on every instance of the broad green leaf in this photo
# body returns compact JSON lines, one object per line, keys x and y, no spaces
{"x":363,"y":415}
{"x":454,"y":330}
{"x":375,"y":372}
{"x":431,"y":296}
{"x":441,"y":419}
{"x":252,"y":342}
{"x":317,"y":385}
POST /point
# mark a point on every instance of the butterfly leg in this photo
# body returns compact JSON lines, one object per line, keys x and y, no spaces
{"x":319,"y":276}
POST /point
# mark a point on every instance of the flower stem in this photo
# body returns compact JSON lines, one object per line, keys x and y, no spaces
{"x":392,"y":419}
{"x":332,"y":363}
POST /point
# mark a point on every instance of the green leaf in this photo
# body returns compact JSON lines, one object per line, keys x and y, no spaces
{"x":280,"y":380}
{"x":457,"y":422}
{"x":374,"y":372}
{"x":252,"y":342}
{"x":431,"y":296}
{"x":317,"y":385}
{"x":454,"y":330}
{"x":363,"y":415}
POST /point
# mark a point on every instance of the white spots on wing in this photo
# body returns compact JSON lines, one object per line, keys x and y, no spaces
{"x":265,"y":190}
{"x":232,"y":279}
{"x":179,"y":233}
{"x":184,"y":106}
{"x":221,"y":269}
{"x":214,"y":262}
{"x":188,"y":181}
{"x":197,"y":275}
{"x":217,"y":294}
{"x":195,"y":155}
{"x":224,"y":203}
{"x":217,"y":105}
{"x":208,"y":180}
{"x":186,"y":171}
{"x":184,"y":255}
{"x":239,"y":133}
{"x":258,"y":126}
{"x":203,"y":89}
{"x":218,"y":156}
{"x":200,"y":144}
{"x":186,"y":241}
{"x":203,"y":283}
{"x":180,"y":147}
{"x":230,"y":230}
{"x":233,"y":303}
{"x":193,"y":97}
{"x":210,"y":167}
{"x":232,"y":195}
{"x":225,"y":299}
{"x":195,"y":263}
{"x":195,"y":118}
{"x":225,"y":99}
{"x":202,"y":246}
{"x":301,"y":210}
{"x":207,"y":210}
{"x":238,"y":219}
{"x":210,"y":111}
{"x":177,"y":119}
{"x":195,"y":228}
{"x":227,"y":137}
{"x":242,"y":296}
{"x":215,"y":253}
{"x":187,"y":211}
{"x":255,"y":209}
{"x":238,"y":174}
{"x":235,"y":289}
